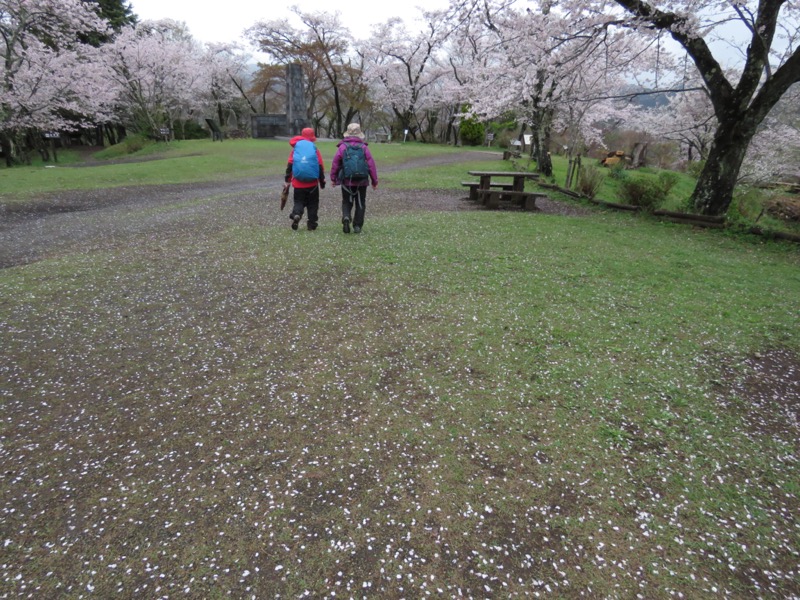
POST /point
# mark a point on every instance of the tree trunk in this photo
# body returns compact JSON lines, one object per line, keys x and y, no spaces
{"x":714,"y":190}
{"x":541,"y":151}
{"x":540,"y":140}
{"x":337,"y":103}
{"x":350,"y":117}
{"x":5,"y":146}
{"x":220,"y":116}
{"x":404,"y":121}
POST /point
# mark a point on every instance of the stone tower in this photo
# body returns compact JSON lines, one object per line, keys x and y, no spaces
{"x":291,"y":122}
{"x":295,"y":99}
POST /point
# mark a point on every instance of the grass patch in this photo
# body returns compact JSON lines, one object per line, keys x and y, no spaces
{"x":482,"y":404}
{"x":194,"y":161}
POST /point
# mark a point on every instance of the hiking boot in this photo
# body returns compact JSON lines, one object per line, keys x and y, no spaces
{"x":312,"y":226}
{"x":295,"y":221}
{"x":356,"y":229}
{"x":346,"y":225}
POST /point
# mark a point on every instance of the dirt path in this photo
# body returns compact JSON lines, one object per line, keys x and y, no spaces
{"x":86,"y":220}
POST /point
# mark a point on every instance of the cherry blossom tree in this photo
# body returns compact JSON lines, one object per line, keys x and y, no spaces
{"x":774,"y":152}
{"x":765,"y":34}
{"x":160,"y":75}
{"x":404,"y":70}
{"x":466,"y":51}
{"x":686,"y":117}
{"x":551,"y":66}
{"x":48,"y":79}
{"x":228,"y":75}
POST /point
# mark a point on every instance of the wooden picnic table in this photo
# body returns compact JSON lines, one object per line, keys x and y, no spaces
{"x":515,"y":191}
{"x":518,"y":178}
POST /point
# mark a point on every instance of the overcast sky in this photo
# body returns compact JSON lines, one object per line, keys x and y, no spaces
{"x":226,"y":21}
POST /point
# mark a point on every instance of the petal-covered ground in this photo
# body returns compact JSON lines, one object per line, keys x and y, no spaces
{"x":198,"y":402}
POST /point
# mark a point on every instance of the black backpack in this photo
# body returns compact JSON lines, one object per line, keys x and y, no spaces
{"x":354,"y":162}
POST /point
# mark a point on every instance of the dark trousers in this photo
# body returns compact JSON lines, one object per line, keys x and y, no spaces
{"x":307,"y":199}
{"x":354,"y":196}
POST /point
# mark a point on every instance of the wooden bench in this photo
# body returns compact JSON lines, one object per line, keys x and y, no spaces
{"x":525,"y":200}
{"x":474,"y":185}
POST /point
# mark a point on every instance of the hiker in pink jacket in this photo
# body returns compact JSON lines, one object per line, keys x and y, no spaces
{"x":354,"y":168}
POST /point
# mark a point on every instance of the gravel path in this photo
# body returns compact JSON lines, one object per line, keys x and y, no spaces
{"x":81,"y":221}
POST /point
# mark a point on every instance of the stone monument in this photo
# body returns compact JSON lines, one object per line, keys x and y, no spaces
{"x":294,"y":119}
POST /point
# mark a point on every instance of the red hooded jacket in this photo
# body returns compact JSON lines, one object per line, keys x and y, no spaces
{"x":306,"y":134}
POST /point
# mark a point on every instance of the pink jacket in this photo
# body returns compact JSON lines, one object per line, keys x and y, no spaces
{"x":336,"y":166}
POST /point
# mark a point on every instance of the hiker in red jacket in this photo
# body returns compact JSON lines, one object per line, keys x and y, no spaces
{"x":354,"y":168}
{"x":305,"y":172}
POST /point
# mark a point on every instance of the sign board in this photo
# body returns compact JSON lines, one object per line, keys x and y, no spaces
{"x":527,"y":138}
{"x":52,"y":135}
{"x":490,"y":136}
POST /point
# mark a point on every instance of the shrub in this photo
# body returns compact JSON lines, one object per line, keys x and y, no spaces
{"x":667,"y":180}
{"x":133,"y":143}
{"x":472,"y":132}
{"x":617,"y":171}
{"x":646,"y":193}
{"x":695,"y":167}
{"x":191,"y":130}
{"x":590,"y":180}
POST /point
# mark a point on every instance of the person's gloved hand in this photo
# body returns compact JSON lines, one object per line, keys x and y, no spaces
{"x":322,"y":184}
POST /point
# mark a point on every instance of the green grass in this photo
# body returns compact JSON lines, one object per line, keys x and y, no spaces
{"x":471,"y":404}
{"x":187,"y":161}
{"x":203,"y":160}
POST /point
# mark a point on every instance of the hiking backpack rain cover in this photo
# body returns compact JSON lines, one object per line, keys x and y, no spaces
{"x":305,"y":166}
{"x":354,"y":162}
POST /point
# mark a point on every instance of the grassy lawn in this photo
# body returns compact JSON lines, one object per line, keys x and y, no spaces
{"x":466,"y":404}
{"x":185,"y":162}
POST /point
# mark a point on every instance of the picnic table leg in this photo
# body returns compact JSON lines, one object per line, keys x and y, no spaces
{"x":491,"y":199}
{"x":483,"y":187}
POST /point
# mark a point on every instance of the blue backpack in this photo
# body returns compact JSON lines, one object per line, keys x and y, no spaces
{"x":305,"y":166}
{"x":354,"y":162}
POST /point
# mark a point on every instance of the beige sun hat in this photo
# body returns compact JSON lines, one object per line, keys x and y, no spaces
{"x":354,"y":130}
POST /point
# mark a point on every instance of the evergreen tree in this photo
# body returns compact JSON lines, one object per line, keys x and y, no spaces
{"x":118,"y":13}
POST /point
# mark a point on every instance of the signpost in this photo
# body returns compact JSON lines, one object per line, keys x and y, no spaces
{"x":52,"y":136}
